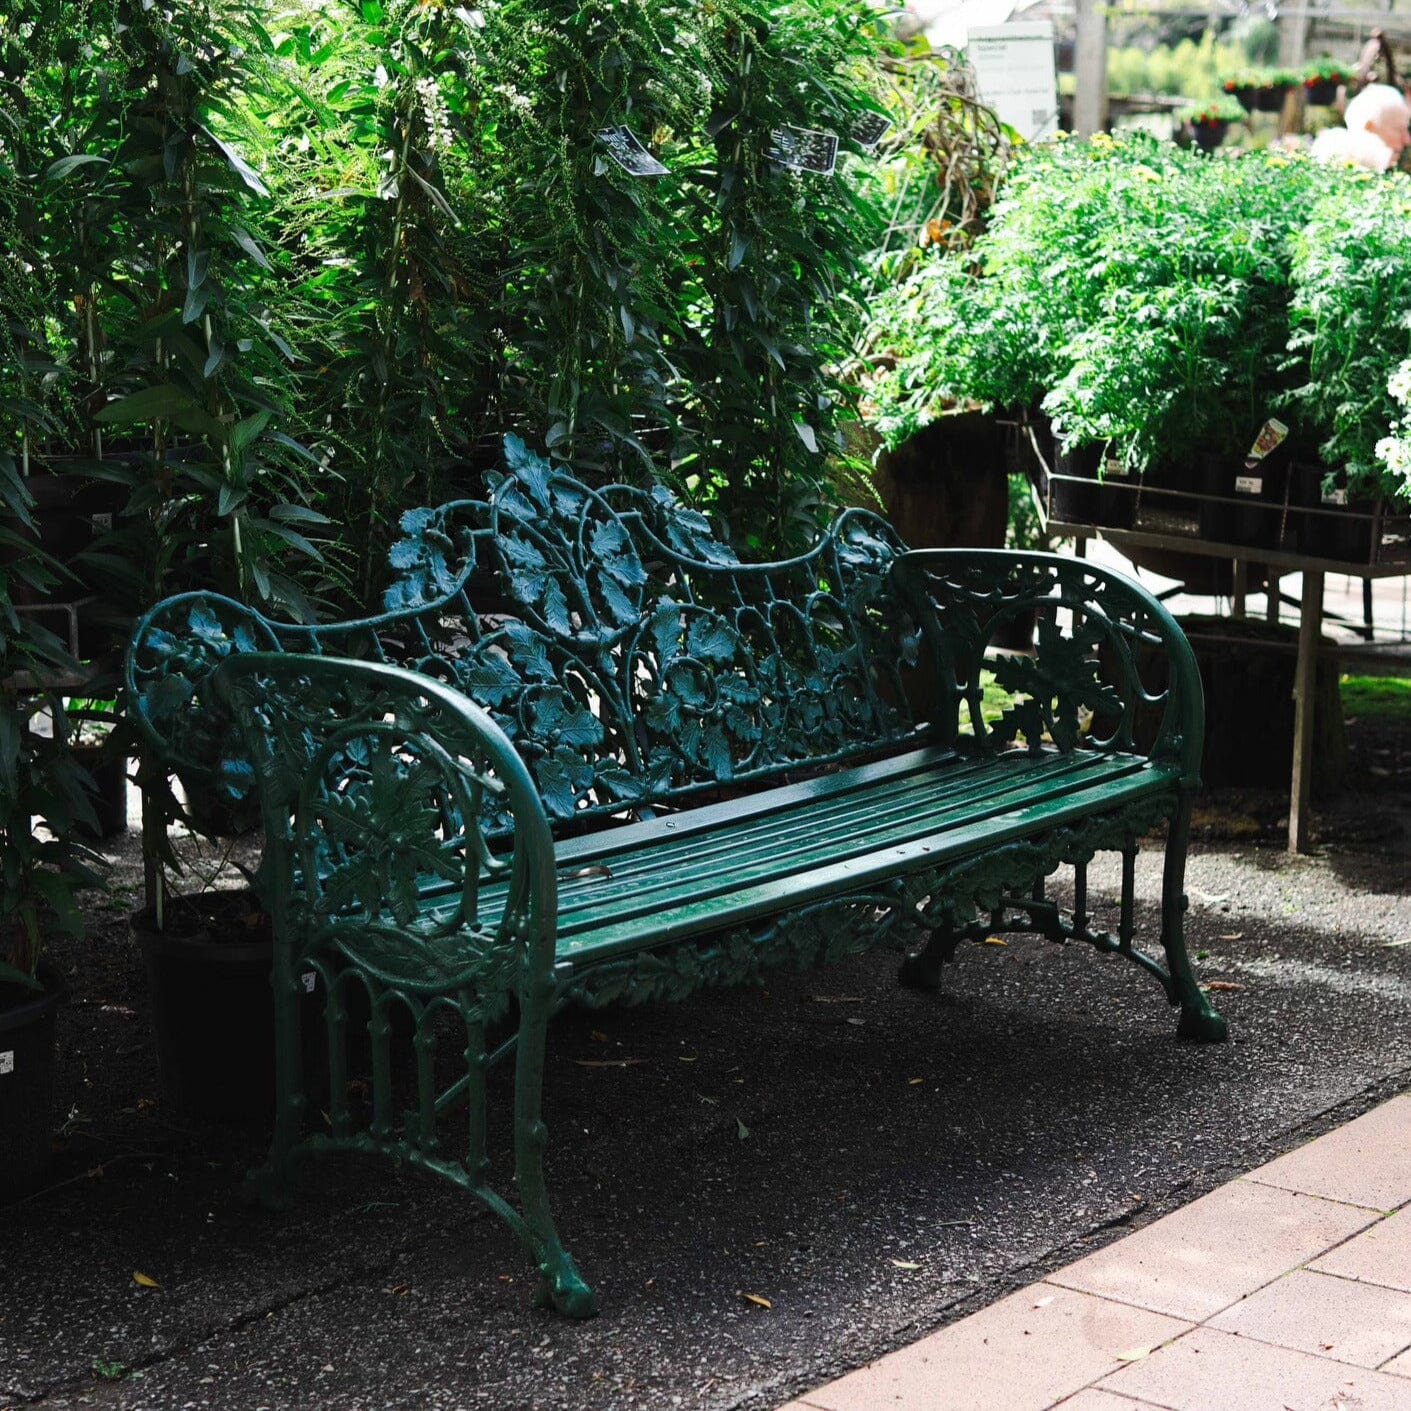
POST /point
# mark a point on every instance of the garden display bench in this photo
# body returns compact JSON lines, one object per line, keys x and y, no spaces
{"x":654,"y":767}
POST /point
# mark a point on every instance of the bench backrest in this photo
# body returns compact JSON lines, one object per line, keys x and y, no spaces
{"x":629,"y":655}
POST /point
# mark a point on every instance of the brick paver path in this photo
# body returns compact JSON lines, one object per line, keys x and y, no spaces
{"x":1287,"y":1290}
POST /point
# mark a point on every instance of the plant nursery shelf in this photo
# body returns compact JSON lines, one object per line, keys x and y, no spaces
{"x":1394,"y":561}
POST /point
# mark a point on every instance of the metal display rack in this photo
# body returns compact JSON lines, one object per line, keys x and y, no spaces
{"x":1389,"y":557}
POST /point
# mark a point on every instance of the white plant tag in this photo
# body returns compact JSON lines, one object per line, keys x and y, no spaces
{"x":1117,"y":468}
{"x":625,"y":148}
{"x":310,"y":980}
{"x":1249,"y":485}
{"x":7,"y":1062}
{"x":1335,"y":497}
{"x":803,"y":149}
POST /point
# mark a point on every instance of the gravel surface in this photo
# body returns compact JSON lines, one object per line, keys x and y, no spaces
{"x":871,"y":1161}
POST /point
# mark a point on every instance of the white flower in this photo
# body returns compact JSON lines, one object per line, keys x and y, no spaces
{"x":436,"y":113}
{"x":1399,"y":383}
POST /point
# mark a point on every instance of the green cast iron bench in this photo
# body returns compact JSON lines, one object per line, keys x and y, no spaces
{"x":650,"y":768}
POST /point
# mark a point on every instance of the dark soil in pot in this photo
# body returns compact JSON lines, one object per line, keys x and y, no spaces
{"x":27,"y":1062}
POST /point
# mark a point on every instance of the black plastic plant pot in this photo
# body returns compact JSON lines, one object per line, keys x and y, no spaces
{"x":208,"y":974}
{"x":1320,"y":93}
{"x":1325,"y":524}
{"x":1167,"y":502}
{"x":1244,"y":96}
{"x":1209,"y":135}
{"x":1251,"y":501}
{"x":1073,"y":487}
{"x":27,"y":1063}
{"x":1269,"y":100}
{"x":1117,"y":491}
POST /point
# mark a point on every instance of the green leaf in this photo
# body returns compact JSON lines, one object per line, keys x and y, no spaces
{"x":66,"y":166}
{"x":148,"y":404}
{"x":251,"y":247}
{"x":11,"y":975}
{"x":238,"y":164}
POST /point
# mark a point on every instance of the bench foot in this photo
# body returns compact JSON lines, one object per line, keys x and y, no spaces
{"x":564,"y":1291}
{"x":1202,"y":1026}
{"x":922,"y":971}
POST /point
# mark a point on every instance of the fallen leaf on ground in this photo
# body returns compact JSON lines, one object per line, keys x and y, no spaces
{"x":1044,"y":1302}
{"x":145,"y":1280}
{"x":995,"y":941}
{"x":1233,"y":936}
{"x":1134,"y":1354}
{"x":597,"y":1036}
{"x":1222,"y":985}
{"x":912,"y":1082}
{"x":744,"y":1130}
{"x":757,"y":1298}
{"x":607,"y":1062}
{"x":905,"y":1264}
{"x":1395,"y":945}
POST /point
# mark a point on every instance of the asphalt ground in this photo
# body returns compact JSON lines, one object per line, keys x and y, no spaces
{"x":866,"y":1161}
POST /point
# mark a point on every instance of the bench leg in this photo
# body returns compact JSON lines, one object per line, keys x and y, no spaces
{"x":563,"y":1287}
{"x":1199,"y":1019}
{"x":922,"y":971}
{"x":272,"y":1185}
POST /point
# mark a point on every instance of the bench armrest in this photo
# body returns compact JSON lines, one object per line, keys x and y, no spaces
{"x":378,"y":786}
{"x":1112,"y":669}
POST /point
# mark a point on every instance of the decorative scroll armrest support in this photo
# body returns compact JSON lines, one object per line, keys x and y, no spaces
{"x":174,"y":651}
{"x":378,"y":787}
{"x":1112,"y":669}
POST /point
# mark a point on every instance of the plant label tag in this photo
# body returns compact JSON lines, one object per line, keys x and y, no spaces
{"x":102,"y":523}
{"x":870,"y":129}
{"x":310,"y":980}
{"x":1249,"y":485}
{"x":1116,"y":468}
{"x":625,"y":148}
{"x":1334,"y":497}
{"x":7,"y":1062}
{"x":803,"y":149}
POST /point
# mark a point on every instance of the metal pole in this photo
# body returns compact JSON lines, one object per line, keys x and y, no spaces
{"x":1310,"y":630}
{"x":1090,"y":69}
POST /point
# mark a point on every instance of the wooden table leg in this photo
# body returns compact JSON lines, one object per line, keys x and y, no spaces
{"x":1239,"y":588}
{"x":1310,"y":630}
{"x":1273,"y":613}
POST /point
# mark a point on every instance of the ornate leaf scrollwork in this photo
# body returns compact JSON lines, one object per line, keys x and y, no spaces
{"x":389,"y":797}
{"x":812,"y":936}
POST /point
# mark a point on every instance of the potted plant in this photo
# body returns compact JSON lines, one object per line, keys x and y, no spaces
{"x":41,"y":868}
{"x":1322,"y":78}
{"x":1241,"y":86}
{"x":1273,"y":85}
{"x":1350,"y":329}
{"x":1210,"y":121}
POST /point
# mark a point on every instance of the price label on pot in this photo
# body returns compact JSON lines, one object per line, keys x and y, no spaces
{"x":310,"y":980}
{"x":7,"y":1063}
{"x":1249,"y":485}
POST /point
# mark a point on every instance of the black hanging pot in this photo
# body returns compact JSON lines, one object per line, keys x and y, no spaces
{"x":27,"y":1063}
